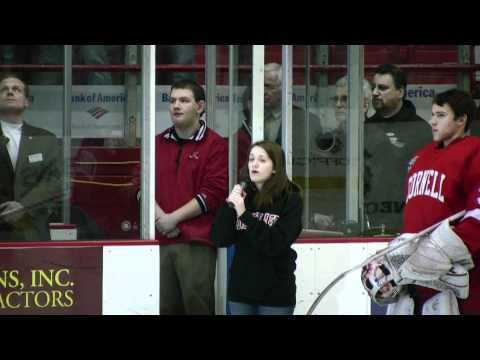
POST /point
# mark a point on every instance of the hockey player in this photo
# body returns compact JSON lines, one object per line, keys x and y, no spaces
{"x":443,"y":178}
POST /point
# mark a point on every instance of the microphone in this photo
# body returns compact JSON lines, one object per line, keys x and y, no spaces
{"x":243,"y":184}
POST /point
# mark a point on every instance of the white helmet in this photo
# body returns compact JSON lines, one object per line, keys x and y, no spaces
{"x":377,"y":279}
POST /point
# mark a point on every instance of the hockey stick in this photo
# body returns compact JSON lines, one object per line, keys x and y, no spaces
{"x":377,"y":256}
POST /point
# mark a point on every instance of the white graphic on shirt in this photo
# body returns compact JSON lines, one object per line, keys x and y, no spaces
{"x":394,"y":140}
{"x":426,"y":183}
{"x":267,"y":218}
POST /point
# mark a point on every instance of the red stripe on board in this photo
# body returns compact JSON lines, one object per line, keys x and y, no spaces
{"x":83,"y":243}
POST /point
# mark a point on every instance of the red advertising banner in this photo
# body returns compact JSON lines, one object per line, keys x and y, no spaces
{"x":51,"y":281}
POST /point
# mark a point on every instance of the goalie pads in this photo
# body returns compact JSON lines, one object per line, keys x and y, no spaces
{"x":434,"y":257}
{"x":439,"y":261}
{"x":443,"y":303}
{"x":403,"y":306}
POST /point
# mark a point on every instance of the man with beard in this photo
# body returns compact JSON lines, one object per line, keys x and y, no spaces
{"x":391,"y":137}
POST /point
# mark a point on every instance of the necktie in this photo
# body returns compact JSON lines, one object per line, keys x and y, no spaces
{"x":12,"y":151}
{"x":271,"y":127}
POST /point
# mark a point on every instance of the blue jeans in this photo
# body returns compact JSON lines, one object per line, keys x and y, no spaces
{"x":238,"y":308}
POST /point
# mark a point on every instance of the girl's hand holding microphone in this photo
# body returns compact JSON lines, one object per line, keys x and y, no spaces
{"x":236,"y":199}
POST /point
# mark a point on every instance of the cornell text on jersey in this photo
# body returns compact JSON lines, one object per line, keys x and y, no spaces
{"x":427,"y":183}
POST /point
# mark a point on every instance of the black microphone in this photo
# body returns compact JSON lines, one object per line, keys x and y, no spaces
{"x":243,"y":184}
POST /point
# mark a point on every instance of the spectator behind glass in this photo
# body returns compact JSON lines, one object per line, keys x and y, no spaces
{"x":263,"y":220}
{"x":244,"y":133}
{"x":392,"y":136}
{"x":191,"y":183}
{"x":273,"y":109}
{"x":336,"y":132}
{"x":328,"y":162}
{"x":273,"y":120}
{"x":30,"y":180}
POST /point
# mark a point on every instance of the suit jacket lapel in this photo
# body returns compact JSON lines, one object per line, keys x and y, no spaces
{"x":24,"y":147}
{"x":4,"y":156}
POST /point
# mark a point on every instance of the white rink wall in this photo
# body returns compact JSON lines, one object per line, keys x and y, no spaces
{"x":320,"y":263}
{"x":131,"y":280}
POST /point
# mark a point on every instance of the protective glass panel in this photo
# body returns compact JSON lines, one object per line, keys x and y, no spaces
{"x":319,"y":139}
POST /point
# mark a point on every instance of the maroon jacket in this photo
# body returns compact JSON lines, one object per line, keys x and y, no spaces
{"x":186,"y":169}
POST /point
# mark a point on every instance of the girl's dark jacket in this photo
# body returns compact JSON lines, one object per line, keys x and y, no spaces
{"x":262,"y":272}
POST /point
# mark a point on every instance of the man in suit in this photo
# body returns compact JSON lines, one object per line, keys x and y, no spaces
{"x":273,"y":118}
{"x":30,"y":172}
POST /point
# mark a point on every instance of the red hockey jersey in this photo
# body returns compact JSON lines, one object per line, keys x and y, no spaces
{"x":442,"y":181}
